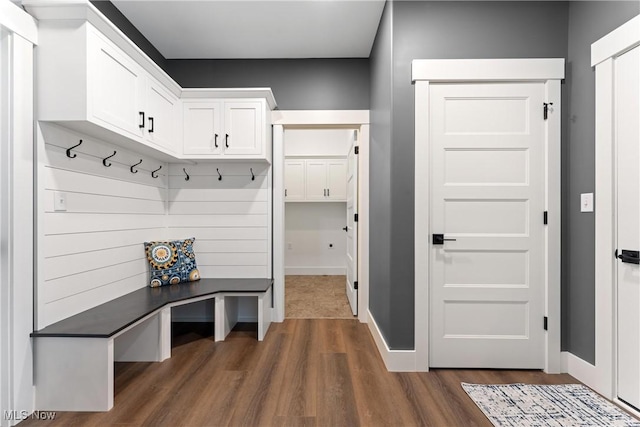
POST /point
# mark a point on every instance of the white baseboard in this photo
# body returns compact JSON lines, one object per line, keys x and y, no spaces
{"x":394,"y":360}
{"x":586,"y":373}
{"x":315,"y":271}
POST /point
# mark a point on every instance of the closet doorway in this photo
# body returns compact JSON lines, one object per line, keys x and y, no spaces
{"x":320,"y":194}
{"x":320,"y":216}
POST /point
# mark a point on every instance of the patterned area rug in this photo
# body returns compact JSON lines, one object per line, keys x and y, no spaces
{"x":546,"y":405}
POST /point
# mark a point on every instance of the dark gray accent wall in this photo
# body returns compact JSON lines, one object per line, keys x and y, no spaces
{"x":588,"y":21}
{"x":297,"y":84}
{"x":380,"y":284}
{"x":442,"y":30}
{"x":119,"y":20}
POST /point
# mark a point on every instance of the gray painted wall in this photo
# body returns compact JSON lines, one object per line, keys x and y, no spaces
{"x":588,"y":21}
{"x":119,"y":20}
{"x":424,"y":30}
{"x":297,"y":84}
{"x":380,"y":175}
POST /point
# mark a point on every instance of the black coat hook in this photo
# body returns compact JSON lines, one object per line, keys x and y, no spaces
{"x":153,"y":173}
{"x":219,"y":176}
{"x":132,"y":166}
{"x":186,"y":178}
{"x":73,"y":156}
{"x":104,"y":161}
{"x":253,"y":177}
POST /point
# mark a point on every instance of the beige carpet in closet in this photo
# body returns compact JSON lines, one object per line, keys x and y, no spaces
{"x":316,"y":297}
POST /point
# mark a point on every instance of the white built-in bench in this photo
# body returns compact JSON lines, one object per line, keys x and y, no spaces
{"x":74,"y":358}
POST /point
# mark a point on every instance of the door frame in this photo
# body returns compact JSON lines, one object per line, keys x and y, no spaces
{"x":319,"y":119}
{"x":548,"y":71}
{"x":602,"y":377}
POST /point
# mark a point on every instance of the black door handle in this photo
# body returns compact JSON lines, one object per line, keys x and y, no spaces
{"x":215,"y":139}
{"x":151,"y":122}
{"x":632,"y":257}
{"x":346,"y":229}
{"x":141,"y":125}
{"x":438,"y":239}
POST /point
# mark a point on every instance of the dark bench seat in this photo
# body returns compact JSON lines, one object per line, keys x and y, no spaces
{"x":75,"y":356}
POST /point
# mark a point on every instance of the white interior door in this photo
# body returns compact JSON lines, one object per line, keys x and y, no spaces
{"x":627,"y":131}
{"x":352,"y":228}
{"x":487,"y":174}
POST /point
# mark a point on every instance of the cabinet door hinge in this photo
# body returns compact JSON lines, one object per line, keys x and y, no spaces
{"x":356,"y":149}
{"x":355,"y":285}
{"x":355,"y":218}
{"x":546,"y":217}
{"x":545,"y":322}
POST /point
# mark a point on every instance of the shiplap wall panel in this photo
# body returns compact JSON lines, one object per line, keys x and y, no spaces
{"x":89,"y":280}
{"x":93,"y":251}
{"x":59,"y":309}
{"x":56,"y":245}
{"x":230,"y":218}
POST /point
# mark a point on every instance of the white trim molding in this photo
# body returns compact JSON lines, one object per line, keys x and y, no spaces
{"x":452,"y":70}
{"x":18,"y":22}
{"x":394,"y":360}
{"x":320,"y":119}
{"x":623,"y":38}
{"x":603,"y":55}
{"x":550,"y":72}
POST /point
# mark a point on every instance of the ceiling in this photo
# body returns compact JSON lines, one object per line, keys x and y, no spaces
{"x":234,"y":29}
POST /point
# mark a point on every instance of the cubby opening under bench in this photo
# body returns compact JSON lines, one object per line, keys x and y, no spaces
{"x":74,"y":358}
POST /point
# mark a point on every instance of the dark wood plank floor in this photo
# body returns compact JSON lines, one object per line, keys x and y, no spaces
{"x":307,"y":372}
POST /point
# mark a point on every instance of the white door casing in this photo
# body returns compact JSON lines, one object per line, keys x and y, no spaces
{"x":549,"y":72}
{"x":355,"y":119}
{"x":627,"y":135}
{"x":487,"y":175}
{"x":352,"y":227}
{"x":604,"y":55}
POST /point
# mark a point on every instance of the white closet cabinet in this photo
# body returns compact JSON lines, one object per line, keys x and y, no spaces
{"x":323,"y":180}
{"x":294,"y":179}
{"x":226,"y":129}
{"x":89,"y":84}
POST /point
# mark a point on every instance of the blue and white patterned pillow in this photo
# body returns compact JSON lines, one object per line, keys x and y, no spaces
{"x":171,"y":262}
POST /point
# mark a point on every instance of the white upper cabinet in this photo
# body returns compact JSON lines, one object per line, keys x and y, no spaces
{"x":116,"y":87}
{"x":315,"y":180}
{"x":87,"y":83}
{"x":93,"y":79}
{"x":226,"y":129}
{"x":162,"y":117}
{"x":294,"y":180}
{"x":202,"y":128}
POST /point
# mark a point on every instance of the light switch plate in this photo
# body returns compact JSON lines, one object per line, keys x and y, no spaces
{"x":59,"y":201}
{"x":586,"y":202}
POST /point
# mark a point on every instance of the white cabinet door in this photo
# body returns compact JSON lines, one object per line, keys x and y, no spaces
{"x":202,"y":128}
{"x":116,"y":87}
{"x":294,"y":180}
{"x":337,"y":179}
{"x":161,"y":109}
{"x":316,"y":183}
{"x":244,"y":128}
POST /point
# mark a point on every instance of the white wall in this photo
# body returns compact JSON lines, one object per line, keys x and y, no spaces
{"x":231,"y":221}
{"x":309,"y":229}
{"x":93,"y":252}
{"x":317,"y":142}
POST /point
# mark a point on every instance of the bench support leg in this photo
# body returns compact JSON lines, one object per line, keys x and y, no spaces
{"x":264,"y":313}
{"x":74,"y":374}
{"x":226,"y":316}
{"x":148,"y":341}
